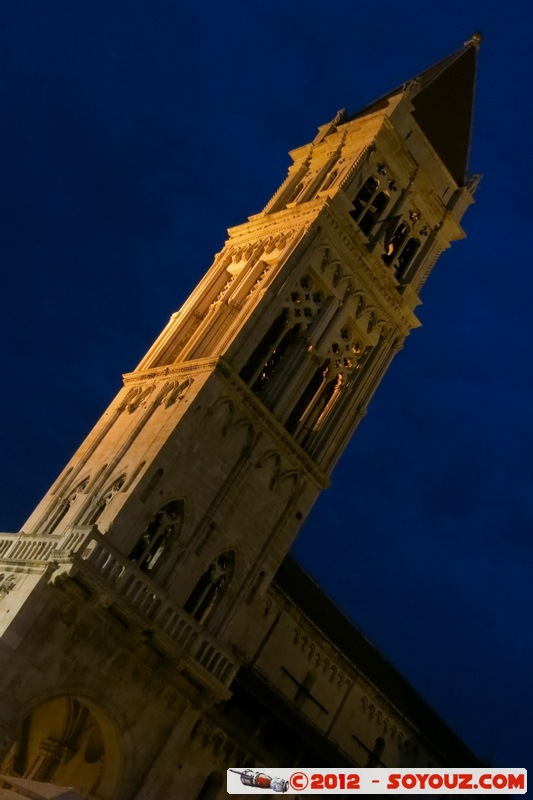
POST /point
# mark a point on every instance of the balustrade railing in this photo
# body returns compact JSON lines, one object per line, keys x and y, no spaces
{"x":90,"y":553}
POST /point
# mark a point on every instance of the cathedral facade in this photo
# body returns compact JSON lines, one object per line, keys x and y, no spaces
{"x":154,"y":630}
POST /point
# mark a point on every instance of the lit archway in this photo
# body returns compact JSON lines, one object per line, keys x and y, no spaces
{"x":68,"y":742}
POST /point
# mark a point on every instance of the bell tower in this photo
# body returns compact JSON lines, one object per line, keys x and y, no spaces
{"x":130,"y":599}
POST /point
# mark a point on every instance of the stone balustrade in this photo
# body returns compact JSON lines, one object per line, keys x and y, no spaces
{"x":86,"y":551}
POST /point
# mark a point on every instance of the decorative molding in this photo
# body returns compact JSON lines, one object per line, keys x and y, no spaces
{"x":7,"y":583}
{"x":270,"y":425}
{"x":319,"y":659}
{"x":159,"y":373}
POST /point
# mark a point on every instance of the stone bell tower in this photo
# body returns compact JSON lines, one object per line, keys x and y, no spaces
{"x":132,"y":596}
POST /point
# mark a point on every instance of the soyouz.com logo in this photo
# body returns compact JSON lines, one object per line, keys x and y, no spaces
{"x":376,"y":781}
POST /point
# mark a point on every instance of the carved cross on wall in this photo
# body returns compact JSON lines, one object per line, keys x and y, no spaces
{"x":303,"y":691}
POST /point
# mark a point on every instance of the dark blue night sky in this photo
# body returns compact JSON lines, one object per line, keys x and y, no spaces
{"x":134,"y":133}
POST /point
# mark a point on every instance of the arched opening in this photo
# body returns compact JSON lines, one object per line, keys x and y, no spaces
{"x":104,"y":500}
{"x":369,"y":205}
{"x":210,"y":589}
{"x":364,"y":196}
{"x":395,"y":242}
{"x":264,"y":348}
{"x":374,"y":212}
{"x":293,"y":422}
{"x":319,"y":406}
{"x":158,"y":537}
{"x":66,"y":505}
{"x":406,"y":257}
{"x":69,"y":742}
{"x":275,"y":358}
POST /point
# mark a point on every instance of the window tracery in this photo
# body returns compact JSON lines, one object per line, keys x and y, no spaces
{"x":275,"y":358}
{"x":209,"y":590}
{"x":406,"y":256}
{"x":265,"y":347}
{"x":158,"y":537}
{"x":66,"y":504}
{"x":138,"y":398}
{"x":105,"y":499}
{"x":400,"y":246}
{"x":301,"y":305}
{"x":345,"y":355}
{"x":394,"y":243}
{"x":369,"y":204}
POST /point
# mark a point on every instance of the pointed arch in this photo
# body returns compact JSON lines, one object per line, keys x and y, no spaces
{"x":406,"y":257}
{"x":70,"y":741}
{"x":369,"y":205}
{"x":347,"y":281}
{"x":140,"y":397}
{"x":211,"y":587}
{"x":224,"y":407}
{"x":395,"y":242}
{"x":290,"y":477}
{"x":104,"y":499}
{"x":65,"y":505}
{"x":337,"y":273}
{"x":360,"y":303}
{"x":273,"y":456}
{"x":372,"y":319}
{"x":247,"y":426}
{"x":153,"y":546}
{"x":326,"y":257}
{"x":173,"y":391}
{"x":300,"y":409}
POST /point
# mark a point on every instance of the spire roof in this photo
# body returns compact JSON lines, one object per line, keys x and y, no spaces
{"x":443,"y":99}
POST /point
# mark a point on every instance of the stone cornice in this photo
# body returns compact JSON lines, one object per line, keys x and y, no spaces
{"x":265,"y":419}
{"x":300,"y":215}
{"x":180,"y":369}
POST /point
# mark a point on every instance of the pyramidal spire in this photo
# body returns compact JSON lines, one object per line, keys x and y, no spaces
{"x":443,"y":98}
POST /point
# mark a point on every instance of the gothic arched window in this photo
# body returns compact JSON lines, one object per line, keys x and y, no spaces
{"x":270,"y":351}
{"x":374,"y":212}
{"x":276,"y":356}
{"x":313,"y":417}
{"x":158,"y":537}
{"x":369,"y":205}
{"x":105,"y":499}
{"x":211,"y":587}
{"x":364,"y":196}
{"x":263,"y":350}
{"x":393,"y":245}
{"x":302,"y":405}
{"x":406,"y":257}
{"x":66,"y":505}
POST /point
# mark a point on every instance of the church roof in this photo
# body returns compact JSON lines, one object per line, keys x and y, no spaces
{"x":325,"y":615}
{"x":443,"y":101}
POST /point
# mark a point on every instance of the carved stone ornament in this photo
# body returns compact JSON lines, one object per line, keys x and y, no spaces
{"x":7,"y":582}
